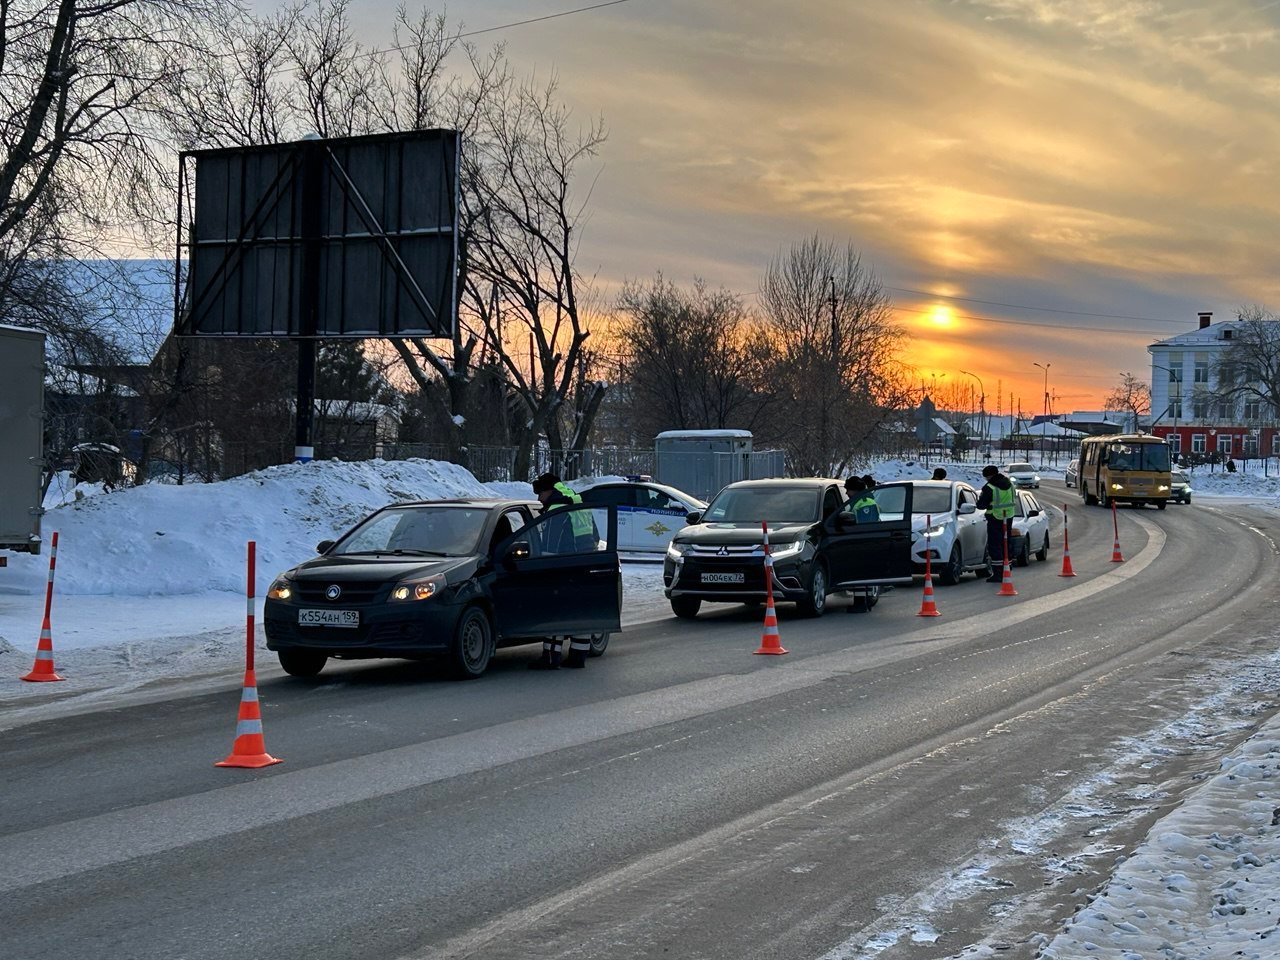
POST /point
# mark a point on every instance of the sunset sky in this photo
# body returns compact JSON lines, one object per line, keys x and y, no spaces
{"x":1035,"y":181}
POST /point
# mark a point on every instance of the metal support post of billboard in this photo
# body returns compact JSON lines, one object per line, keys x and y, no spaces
{"x":304,"y":413}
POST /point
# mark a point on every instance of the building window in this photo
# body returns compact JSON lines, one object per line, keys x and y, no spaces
{"x":1224,"y":443}
{"x":1252,"y":409}
{"x":1200,"y":409}
{"x":1175,"y":443}
{"x":1202,"y":368}
{"x":1197,"y":443}
{"x":1251,"y":445}
{"x":1175,"y":408}
{"x":1227,"y":410}
{"x":1275,"y":444}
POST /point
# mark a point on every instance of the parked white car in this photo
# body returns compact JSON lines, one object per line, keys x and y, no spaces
{"x":649,"y":514}
{"x":1022,"y":474}
{"x":957,"y":534}
{"x":1030,"y":530}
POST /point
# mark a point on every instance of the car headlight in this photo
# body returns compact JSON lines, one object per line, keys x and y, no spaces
{"x":418,"y":589}
{"x":676,"y":550}
{"x":783,"y":551}
{"x":935,"y":532}
{"x":281,"y":588}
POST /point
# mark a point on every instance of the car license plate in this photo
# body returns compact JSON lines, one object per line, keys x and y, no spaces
{"x":328,"y":618}
{"x":724,"y":578}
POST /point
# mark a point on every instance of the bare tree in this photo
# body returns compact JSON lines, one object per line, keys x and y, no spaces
{"x":1248,"y":371}
{"x":690,"y":359}
{"x":830,"y":323}
{"x":1131,"y":395}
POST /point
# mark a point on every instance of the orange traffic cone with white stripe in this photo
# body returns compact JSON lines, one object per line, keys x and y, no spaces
{"x":1006,"y":578}
{"x":1066,"y":548}
{"x":42,"y":670}
{"x":927,"y":607}
{"x":250,"y":747}
{"x":770,"y":643}
{"x":43,"y":667}
{"x":1115,"y":551}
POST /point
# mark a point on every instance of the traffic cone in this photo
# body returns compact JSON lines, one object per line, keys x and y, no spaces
{"x":770,"y":643}
{"x":249,"y":749}
{"x":42,"y":670}
{"x":1006,"y":578}
{"x":1066,"y":548}
{"x":1115,"y":551}
{"x":927,"y":607}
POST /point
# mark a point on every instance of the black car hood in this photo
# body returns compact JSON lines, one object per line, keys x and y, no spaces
{"x":740,"y":533}
{"x":386,"y":567}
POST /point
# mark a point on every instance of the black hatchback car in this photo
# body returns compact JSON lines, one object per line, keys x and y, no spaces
{"x":448,"y":578}
{"x":818,"y":547}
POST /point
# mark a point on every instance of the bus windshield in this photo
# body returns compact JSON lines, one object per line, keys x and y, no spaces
{"x":1138,"y":456}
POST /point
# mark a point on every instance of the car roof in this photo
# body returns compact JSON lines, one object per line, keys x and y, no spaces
{"x":813,"y":482}
{"x":465,"y":502}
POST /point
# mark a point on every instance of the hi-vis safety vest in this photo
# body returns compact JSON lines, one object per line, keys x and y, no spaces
{"x":579,"y":519}
{"x":1001,"y":503}
{"x":865,"y":509}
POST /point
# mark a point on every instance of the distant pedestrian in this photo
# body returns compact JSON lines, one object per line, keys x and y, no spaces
{"x":869,"y":481}
{"x":997,"y":499}
{"x":939,"y":473}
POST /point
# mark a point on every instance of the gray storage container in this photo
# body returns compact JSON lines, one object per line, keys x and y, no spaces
{"x":21,"y":437}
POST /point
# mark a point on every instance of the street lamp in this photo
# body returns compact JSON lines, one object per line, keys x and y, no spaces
{"x":1045,"y":367}
{"x":982,"y":407}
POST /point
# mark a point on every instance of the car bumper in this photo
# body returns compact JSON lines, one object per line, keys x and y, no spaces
{"x":689,"y":579}
{"x":420,"y":628}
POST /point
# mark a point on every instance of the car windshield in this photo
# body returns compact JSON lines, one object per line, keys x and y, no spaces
{"x":1138,"y":456}
{"x":425,"y":531}
{"x":772,"y":504}
{"x":1021,"y":468}
{"x":929,"y":500}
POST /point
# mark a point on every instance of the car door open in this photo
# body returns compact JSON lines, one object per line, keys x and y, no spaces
{"x":559,"y":575}
{"x":879,"y":552}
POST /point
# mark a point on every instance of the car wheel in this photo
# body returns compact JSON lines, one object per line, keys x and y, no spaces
{"x":1186,"y":499}
{"x":950,"y":574}
{"x":1024,"y":554}
{"x":301,"y":663}
{"x":472,"y":644}
{"x":599,"y":644}
{"x":1043,"y":553}
{"x":686,"y":608}
{"x":815,"y":604}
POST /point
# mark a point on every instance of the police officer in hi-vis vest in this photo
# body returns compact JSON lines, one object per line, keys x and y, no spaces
{"x":575,"y":533}
{"x":997,"y":499}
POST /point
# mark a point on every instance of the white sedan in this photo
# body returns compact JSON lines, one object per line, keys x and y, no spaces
{"x":1030,"y":530}
{"x":1022,"y":474}
{"x":649,"y":513}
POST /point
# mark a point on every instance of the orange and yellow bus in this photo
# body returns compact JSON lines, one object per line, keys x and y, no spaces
{"x":1125,"y":468}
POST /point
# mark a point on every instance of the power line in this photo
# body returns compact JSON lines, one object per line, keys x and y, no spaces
{"x":521,"y":23}
{"x":1037,"y":324}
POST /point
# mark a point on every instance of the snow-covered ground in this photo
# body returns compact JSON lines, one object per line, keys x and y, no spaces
{"x":150,"y":587}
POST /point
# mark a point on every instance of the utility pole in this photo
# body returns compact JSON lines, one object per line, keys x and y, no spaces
{"x":1045,"y":418}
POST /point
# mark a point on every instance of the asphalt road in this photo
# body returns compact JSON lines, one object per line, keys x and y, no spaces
{"x":678,"y":798}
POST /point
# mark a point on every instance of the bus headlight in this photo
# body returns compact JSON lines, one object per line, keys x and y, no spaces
{"x":1163,"y":488}
{"x":1117,"y":486}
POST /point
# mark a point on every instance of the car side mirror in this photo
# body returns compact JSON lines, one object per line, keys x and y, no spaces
{"x":692,"y":517}
{"x":966,"y":508}
{"x":1033,"y":513}
{"x":324,"y":546}
{"x":518,"y":551}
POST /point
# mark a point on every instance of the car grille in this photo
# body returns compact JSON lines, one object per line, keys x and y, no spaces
{"x":353,"y":592}
{"x":714,"y":551}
